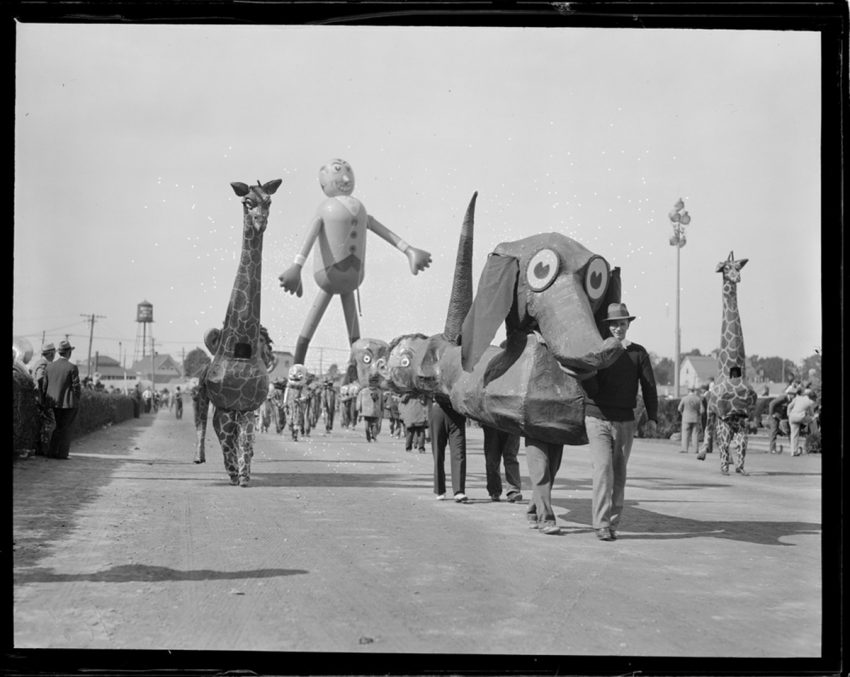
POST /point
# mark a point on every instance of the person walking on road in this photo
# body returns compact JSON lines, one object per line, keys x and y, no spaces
{"x":177,"y":399}
{"x":370,"y":407}
{"x":414,"y":414}
{"x":777,"y":412}
{"x":499,"y":447}
{"x":448,"y":427}
{"x":63,"y":392}
{"x":610,"y":423}
{"x":689,"y":408}
{"x":736,"y":402}
{"x":800,"y":413}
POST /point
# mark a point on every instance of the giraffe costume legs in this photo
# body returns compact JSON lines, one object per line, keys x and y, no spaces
{"x":235,"y":432}
{"x":732,"y":435}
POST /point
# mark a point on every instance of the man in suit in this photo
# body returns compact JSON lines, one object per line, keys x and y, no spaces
{"x":63,"y":394}
{"x":45,"y":411}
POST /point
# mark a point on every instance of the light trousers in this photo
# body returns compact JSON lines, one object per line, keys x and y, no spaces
{"x":610,"y":446}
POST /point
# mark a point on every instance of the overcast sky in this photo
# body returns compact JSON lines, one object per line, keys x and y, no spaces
{"x":127,"y":138}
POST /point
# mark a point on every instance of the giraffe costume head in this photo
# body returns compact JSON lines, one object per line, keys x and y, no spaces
{"x":731,"y":352}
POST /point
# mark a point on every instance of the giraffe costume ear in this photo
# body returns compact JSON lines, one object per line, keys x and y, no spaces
{"x":241,"y":189}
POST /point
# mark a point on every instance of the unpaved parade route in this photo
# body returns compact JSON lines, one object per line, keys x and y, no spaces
{"x":339,"y":546}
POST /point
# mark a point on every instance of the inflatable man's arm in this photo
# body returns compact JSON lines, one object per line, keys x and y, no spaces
{"x":418,"y":259}
{"x":290,"y":279}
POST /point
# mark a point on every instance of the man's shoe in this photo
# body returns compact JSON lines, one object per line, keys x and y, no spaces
{"x":460,"y":497}
{"x":514,"y":497}
{"x":440,"y":497}
{"x":495,"y":498}
{"x":741,"y":471}
{"x":700,"y":457}
{"x":550,"y":528}
{"x":605,"y":534}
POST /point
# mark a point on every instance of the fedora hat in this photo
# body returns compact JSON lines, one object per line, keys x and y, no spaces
{"x":618,"y":311}
{"x":64,"y":345}
{"x":47,"y":348}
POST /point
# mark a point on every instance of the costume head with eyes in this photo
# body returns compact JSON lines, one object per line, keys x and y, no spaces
{"x":402,"y":366}
{"x":366,"y":360}
{"x":554,"y":285}
{"x":336,"y":178}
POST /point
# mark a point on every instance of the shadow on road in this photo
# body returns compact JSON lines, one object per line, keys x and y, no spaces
{"x":642,"y":524}
{"x":49,"y":493}
{"x":144,"y":572}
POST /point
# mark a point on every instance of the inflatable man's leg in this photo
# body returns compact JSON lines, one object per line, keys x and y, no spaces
{"x":317,"y":310}
{"x":349,"y":309}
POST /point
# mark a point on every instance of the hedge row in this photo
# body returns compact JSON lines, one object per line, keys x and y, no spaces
{"x":670,"y":420}
{"x":96,"y":411}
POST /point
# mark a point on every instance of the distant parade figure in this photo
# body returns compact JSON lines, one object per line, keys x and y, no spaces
{"x":689,"y":408}
{"x":370,"y":406}
{"x":292,"y":399}
{"x":328,"y":404}
{"x":353,"y":389}
{"x":279,"y":407}
{"x":177,"y":399}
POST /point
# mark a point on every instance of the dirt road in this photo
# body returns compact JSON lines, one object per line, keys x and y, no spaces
{"x":339,"y":546}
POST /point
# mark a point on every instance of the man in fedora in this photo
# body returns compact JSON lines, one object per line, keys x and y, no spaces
{"x":45,"y":412}
{"x":610,"y":422}
{"x":62,"y":392}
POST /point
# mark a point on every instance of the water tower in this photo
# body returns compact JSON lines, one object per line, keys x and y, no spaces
{"x":144,"y":317}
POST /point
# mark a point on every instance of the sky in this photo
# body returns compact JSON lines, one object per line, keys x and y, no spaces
{"x":128,"y":136}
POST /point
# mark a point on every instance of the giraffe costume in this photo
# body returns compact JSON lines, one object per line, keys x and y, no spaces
{"x":730,"y":400}
{"x":236,"y":382}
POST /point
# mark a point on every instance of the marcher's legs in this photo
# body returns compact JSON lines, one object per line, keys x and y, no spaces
{"x":543,"y":461}
{"x":510,"y":449}
{"x":456,"y":430}
{"x":60,"y":443}
{"x":724,"y":440}
{"x":492,"y":460}
{"x":623,"y":434}
{"x":773,"y":433}
{"x":439,"y":439}
{"x":600,"y":434}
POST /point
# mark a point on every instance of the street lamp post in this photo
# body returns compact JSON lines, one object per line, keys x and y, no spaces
{"x":679,"y":219}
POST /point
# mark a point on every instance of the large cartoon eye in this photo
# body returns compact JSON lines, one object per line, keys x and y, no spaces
{"x":596,"y":278}
{"x":367,"y":358}
{"x":337,"y":168}
{"x":405,"y":361}
{"x":542,"y":269}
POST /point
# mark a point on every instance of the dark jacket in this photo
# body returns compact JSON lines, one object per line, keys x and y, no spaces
{"x":63,"y":384}
{"x":612,"y":393}
{"x":778,"y":407}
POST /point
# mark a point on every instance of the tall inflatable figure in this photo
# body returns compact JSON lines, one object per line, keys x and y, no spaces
{"x":340,"y":227}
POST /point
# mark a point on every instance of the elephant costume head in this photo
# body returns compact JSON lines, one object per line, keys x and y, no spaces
{"x":551,"y":284}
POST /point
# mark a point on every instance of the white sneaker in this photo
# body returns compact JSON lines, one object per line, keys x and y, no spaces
{"x":460,"y":498}
{"x":441,"y":497}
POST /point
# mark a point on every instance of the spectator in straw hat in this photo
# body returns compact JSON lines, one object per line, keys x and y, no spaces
{"x":610,"y":422}
{"x":63,"y":394}
{"x":46,"y":419}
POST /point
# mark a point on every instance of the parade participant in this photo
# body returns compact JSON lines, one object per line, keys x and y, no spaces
{"x":610,"y":424}
{"x":777,"y":412}
{"x":370,"y":406}
{"x":292,"y":399}
{"x":689,"y":408}
{"x":62,"y":392}
{"x":413,"y":411}
{"x":448,"y":427}
{"x":736,"y":401}
{"x":707,"y":421}
{"x":340,"y":226}
{"x":47,"y":422}
{"x":501,"y":446}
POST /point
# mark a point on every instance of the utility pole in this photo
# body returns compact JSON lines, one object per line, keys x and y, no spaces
{"x":91,"y":318}
{"x":679,"y":220}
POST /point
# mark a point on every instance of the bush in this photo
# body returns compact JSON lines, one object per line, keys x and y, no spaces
{"x":97,"y":410}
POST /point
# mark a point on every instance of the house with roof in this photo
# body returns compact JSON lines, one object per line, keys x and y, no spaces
{"x":165,"y":368}
{"x":696,"y":370}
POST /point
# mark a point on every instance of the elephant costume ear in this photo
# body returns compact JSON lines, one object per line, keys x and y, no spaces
{"x":493,"y":300}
